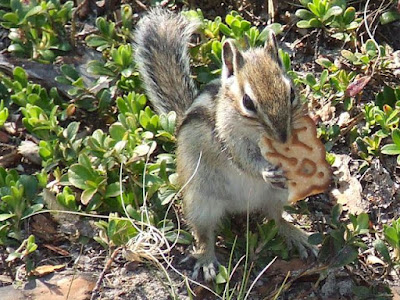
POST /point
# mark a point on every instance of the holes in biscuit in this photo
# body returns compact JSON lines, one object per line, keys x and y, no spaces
{"x":307,"y":168}
{"x":320,"y":174}
{"x":293,"y":184}
{"x":287,"y":149}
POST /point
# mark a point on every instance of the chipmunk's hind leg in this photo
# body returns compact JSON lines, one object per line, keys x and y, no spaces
{"x":296,"y":237}
{"x":205,"y":253}
{"x":203,"y":213}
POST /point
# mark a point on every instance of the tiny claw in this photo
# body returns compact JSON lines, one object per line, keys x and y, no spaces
{"x":276,"y":177}
{"x":209,"y":270}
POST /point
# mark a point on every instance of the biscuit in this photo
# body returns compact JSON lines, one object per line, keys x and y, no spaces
{"x":302,"y":158}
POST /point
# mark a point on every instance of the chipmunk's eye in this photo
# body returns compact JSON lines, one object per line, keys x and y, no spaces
{"x":248,"y":103}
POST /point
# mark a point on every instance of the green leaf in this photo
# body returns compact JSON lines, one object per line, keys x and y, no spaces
{"x":70,"y":72}
{"x":324,"y":62}
{"x":349,"y":15}
{"x":370,"y":46}
{"x":304,"y":14}
{"x":142,"y":150}
{"x":15,"y":48}
{"x":392,"y":236}
{"x":391,"y":149}
{"x":389,"y":17}
{"x":349,"y":55}
{"x":276,"y":28}
{"x":113,"y":190}
{"x":20,"y":75}
{"x":380,"y":246}
{"x":396,"y":137}
{"x":303,"y":24}
{"x":345,"y":256}
{"x":336,"y":212}
{"x":11,"y":17}
{"x":314,"y":9}
{"x":96,"y":41}
{"x":316,"y":238}
{"x":97,"y":68}
{"x":30,"y":185}
{"x":32,"y":209}
{"x":167,"y":197}
{"x":87,"y":195}
{"x":117,"y":131}
{"x":78,"y":175}
{"x":245,"y":25}
{"x":183,"y":238}
{"x":333,"y":11}
{"x":362,"y":221}
{"x":225,"y":30}
{"x":34,"y":11}
{"x":71,"y":131}
{"x":4,"y":217}
{"x":310,"y":79}
{"x":222,"y":276}
{"x":315,"y":23}
{"x":323,"y":78}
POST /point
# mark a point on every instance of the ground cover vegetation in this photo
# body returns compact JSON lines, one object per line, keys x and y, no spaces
{"x":81,"y":147}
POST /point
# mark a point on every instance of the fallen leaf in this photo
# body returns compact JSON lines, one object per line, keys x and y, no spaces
{"x":47,"y":269}
{"x":30,"y":151}
{"x":357,"y":86}
{"x":45,"y":227}
{"x":57,"y":249}
{"x":54,"y":287}
{"x":372,"y":260}
{"x":4,"y":138}
{"x":283,"y":267}
{"x":10,"y":159}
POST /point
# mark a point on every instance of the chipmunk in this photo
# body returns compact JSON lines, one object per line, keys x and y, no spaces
{"x":218,"y":157}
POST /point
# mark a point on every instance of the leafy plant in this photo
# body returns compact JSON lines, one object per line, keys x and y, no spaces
{"x":344,"y":25}
{"x":393,"y":149}
{"x":340,"y":245}
{"x":36,"y":29}
{"x":390,"y":15}
{"x":208,"y":54}
{"x":3,"y":113}
{"x":334,"y":17}
{"x":111,"y":36}
{"x":392,"y":236}
{"x":388,"y":96}
{"x":365,"y":59}
{"x":19,"y":198}
{"x":23,"y":92}
{"x":319,"y":13}
{"x":86,"y":97}
{"x":27,"y":247}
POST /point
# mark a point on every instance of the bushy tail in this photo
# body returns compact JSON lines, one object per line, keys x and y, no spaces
{"x":162,"y":57}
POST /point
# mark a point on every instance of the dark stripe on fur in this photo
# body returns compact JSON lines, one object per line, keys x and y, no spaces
{"x":199,"y":114}
{"x":212,"y":89}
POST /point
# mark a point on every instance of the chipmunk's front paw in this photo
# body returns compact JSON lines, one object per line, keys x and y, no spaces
{"x":209,"y":267}
{"x":275,"y":177}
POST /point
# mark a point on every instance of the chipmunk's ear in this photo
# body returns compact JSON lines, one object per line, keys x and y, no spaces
{"x":271,"y":46}
{"x":232,"y":59}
